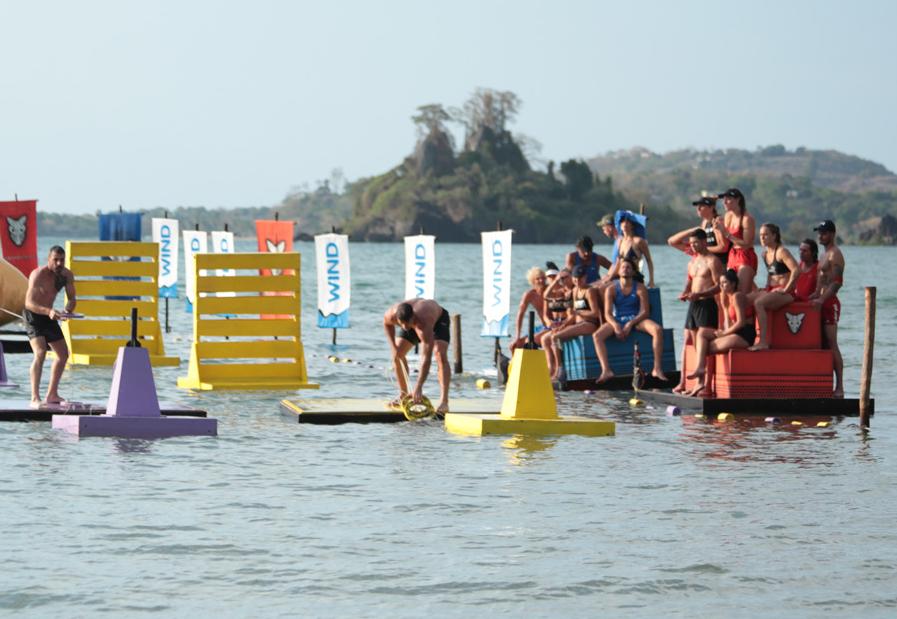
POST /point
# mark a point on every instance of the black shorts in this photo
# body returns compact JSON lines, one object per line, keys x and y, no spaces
{"x":442,"y":330}
{"x":40,"y":325}
{"x":748,"y":333}
{"x":702,"y":313}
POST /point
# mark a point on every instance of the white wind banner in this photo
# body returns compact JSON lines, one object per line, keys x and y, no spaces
{"x":334,"y":280}
{"x":420,"y":267}
{"x":496,"y":283}
{"x":195,"y":242}
{"x":223,"y":243}
{"x":165,"y":233}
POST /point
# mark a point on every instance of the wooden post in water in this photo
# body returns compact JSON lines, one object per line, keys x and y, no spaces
{"x":168,"y":326}
{"x":497,"y":353}
{"x":333,"y":342}
{"x":456,"y":343}
{"x":868,"y":347}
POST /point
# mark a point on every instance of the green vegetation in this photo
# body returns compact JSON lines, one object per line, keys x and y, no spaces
{"x":795,"y":189}
{"x":458,"y":194}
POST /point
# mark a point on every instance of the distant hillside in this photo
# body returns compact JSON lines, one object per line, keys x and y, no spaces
{"x":824,"y":168}
{"x":455,"y":193}
{"x":791,"y":188}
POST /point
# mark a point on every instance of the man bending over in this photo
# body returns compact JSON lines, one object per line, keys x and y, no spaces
{"x":425,"y":322}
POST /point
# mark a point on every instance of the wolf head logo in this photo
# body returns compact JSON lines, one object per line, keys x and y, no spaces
{"x":794,"y":322}
{"x":17,"y":229}
{"x":277,"y":247}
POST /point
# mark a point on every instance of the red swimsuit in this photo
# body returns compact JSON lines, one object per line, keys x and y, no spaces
{"x":739,"y":256}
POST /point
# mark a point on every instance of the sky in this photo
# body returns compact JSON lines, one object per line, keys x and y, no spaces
{"x":237,"y":103}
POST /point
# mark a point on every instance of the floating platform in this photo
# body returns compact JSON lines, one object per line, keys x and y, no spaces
{"x":757,"y":406}
{"x":20,"y":410}
{"x":333,"y":411}
{"x":621,"y":383}
{"x":15,"y":342}
{"x":478,"y":425}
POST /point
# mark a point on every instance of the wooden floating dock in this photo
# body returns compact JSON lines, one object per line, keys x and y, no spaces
{"x":20,"y":410}
{"x":333,"y":411}
{"x":756,"y":406}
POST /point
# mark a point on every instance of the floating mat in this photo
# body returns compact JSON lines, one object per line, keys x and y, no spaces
{"x":20,"y":410}
{"x":332,"y":411}
{"x":757,"y":406}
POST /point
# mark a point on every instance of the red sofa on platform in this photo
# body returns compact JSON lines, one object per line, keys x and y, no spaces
{"x":795,"y":366}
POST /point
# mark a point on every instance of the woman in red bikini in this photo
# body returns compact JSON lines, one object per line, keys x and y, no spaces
{"x":739,"y":226}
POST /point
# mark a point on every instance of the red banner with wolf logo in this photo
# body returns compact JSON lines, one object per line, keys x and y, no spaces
{"x":274,"y":237}
{"x":18,"y":234}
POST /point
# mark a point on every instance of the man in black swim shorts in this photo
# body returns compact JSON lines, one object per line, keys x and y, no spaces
{"x":704,"y":273}
{"x":419,"y":321}
{"x":41,"y":324}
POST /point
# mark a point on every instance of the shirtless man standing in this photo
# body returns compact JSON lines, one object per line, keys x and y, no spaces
{"x":41,"y":324}
{"x":419,"y":321}
{"x":704,"y":273}
{"x":831,"y":278}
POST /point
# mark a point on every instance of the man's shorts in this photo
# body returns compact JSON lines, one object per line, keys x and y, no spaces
{"x":441,"y":330}
{"x":702,"y":313}
{"x":40,"y":325}
{"x":831,"y":311}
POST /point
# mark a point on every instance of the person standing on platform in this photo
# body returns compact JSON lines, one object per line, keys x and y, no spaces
{"x":831,"y":278}
{"x":41,"y":324}
{"x":704,"y":273}
{"x":738,"y":228}
{"x":425,"y":322}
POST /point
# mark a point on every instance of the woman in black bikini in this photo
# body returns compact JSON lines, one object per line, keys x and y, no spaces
{"x":583,"y":320}
{"x":716,"y":240}
{"x":633,"y":248}
{"x":782,"y":272}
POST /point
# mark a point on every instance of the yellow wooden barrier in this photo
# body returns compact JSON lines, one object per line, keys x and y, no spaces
{"x":269,"y":353}
{"x":106,"y":326}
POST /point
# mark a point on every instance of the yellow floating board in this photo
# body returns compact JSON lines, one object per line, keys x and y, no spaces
{"x":371,"y":410}
{"x":477,"y":425}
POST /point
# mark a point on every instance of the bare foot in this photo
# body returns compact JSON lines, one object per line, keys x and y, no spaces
{"x":442,"y":410}
{"x":759,"y":346}
{"x":397,"y":403}
{"x":55,"y":400}
{"x":696,"y":390}
{"x":697,"y":374}
{"x":35,"y":403}
{"x":680,"y":388}
{"x":659,"y":375}
{"x":605,"y":376}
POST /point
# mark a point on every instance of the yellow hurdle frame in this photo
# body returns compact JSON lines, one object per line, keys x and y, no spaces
{"x":106,"y":326}
{"x":249,"y":313}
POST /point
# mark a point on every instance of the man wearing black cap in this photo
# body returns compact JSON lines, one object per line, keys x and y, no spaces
{"x":831,"y":277}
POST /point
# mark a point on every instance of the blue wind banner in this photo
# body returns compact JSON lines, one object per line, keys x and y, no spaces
{"x":165,"y":233}
{"x":334,"y":280}
{"x":496,"y":283}
{"x":120,"y":227}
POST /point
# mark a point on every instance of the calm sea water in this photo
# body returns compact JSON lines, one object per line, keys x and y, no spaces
{"x":672,"y":517}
